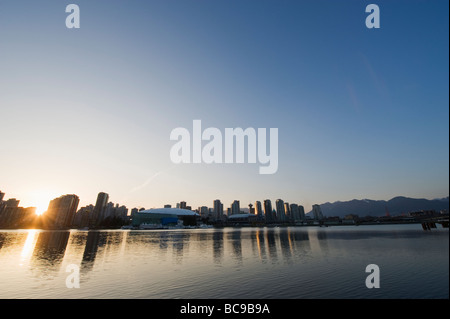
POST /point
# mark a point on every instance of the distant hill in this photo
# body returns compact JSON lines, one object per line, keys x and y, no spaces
{"x":395,"y":206}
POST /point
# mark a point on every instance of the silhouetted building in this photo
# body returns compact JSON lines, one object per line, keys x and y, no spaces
{"x":17,"y":217}
{"x":295,"y":213}
{"x":281,"y":216}
{"x":258,"y":210}
{"x":218,"y":210}
{"x":317,"y":212}
{"x":61,"y":211}
{"x":235,"y":207}
{"x":204,"y":211}
{"x":99,"y":209}
{"x":268,"y":211}
{"x":81,"y":219}
{"x":287,"y":211}
{"x":12,"y":202}
{"x":2,"y":195}
{"x":301,"y":210}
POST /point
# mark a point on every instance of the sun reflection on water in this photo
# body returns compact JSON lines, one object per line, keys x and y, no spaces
{"x":28,"y":247}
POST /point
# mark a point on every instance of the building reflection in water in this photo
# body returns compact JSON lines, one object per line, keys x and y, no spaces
{"x":234,"y":237}
{"x":180,"y":242}
{"x":48,"y":252}
{"x":217,"y":246}
{"x":94,"y":240}
{"x":46,"y":249}
{"x":271,"y":244}
{"x":258,"y":247}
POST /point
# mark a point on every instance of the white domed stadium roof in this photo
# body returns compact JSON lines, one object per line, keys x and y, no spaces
{"x":174,"y":211}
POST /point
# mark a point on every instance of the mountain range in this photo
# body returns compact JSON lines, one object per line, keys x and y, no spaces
{"x":395,"y":206}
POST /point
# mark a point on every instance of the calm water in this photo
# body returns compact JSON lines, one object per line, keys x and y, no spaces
{"x":262,"y":263}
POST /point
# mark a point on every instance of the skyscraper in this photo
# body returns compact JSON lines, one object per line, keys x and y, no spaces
{"x":287,"y":211}
{"x":268,"y":211}
{"x":235,"y":208}
{"x":281,"y":215}
{"x":204,"y":211}
{"x":301,"y":210}
{"x":61,"y":211}
{"x":2,"y":195}
{"x":295,"y":212}
{"x":258,"y":210}
{"x":99,"y":209}
{"x":317,"y":211}
{"x":218,"y":210}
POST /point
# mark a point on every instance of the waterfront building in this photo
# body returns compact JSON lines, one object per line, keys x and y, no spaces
{"x":2,"y":203}
{"x":12,"y":202}
{"x":17,"y":217}
{"x":258,"y":210}
{"x":301,"y":210}
{"x":61,"y":211}
{"x":241,"y":219}
{"x":99,"y":209}
{"x":287,"y":211}
{"x":218,"y":210}
{"x":204,"y":211}
{"x":281,"y":215}
{"x":295,"y":213}
{"x":235,"y":208}
{"x":317,"y":212}
{"x":268,"y":211}
{"x":81,"y":219}
{"x":158,"y":217}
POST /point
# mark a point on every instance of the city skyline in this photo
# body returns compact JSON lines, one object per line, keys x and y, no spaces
{"x":361,"y":113}
{"x":64,"y":212}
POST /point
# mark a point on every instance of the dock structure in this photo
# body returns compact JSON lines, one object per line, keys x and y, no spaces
{"x":431,"y":223}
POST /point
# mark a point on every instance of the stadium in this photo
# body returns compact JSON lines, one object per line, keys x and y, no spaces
{"x":164,"y":217}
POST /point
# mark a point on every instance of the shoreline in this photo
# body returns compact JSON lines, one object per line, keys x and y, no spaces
{"x":444,"y":225}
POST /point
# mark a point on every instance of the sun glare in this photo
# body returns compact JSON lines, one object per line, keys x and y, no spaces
{"x":41,"y":209}
{"x":41,"y":199}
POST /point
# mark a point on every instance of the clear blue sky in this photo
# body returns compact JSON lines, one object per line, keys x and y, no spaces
{"x":361,"y":113}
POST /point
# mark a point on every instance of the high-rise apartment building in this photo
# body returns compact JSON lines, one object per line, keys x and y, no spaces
{"x":99,"y":209}
{"x":301,"y":210}
{"x":61,"y":211}
{"x":268,"y":211}
{"x":258,"y":210}
{"x":295,"y":212}
{"x":218,"y":209}
{"x":281,"y":215}
{"x":235,"y":208}
{"x":317,"y":212}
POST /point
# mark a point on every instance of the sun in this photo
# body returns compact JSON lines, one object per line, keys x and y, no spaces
{"x":41,"y":208}
{"x":40,"y":199}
